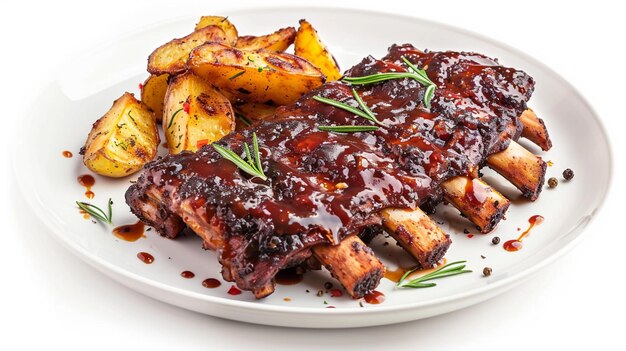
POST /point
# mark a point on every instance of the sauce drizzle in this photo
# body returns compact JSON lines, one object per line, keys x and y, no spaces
{"x":67,"y":154}
{"x":130,"y":232}
{"x":87,"y":181}
{"x":145,"y":257}
{"x":516,"y":244}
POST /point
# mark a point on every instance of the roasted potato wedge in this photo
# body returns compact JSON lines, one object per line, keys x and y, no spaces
{"x":195,"y":114}
{"x":278,"y":41}
{"x":153,"y":94}
{"x":229,"y":29}
{"x":309,"y":46}
{"x":254,"y":111}
{"x":263,"y":76}
{"x":172,"y":57}
{"x":123,"y":140}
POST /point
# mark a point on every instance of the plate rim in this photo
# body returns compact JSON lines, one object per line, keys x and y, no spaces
{"x":29,"y":194}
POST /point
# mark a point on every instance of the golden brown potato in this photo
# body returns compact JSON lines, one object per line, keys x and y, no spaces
{"x":278,"y":41}
{"x":195,"y":114}
{"x":309,"y":46}
{"x":254,"y":111}
{"x":229,"y":29}
{"x":153,"y":94}
{"x":122,"y":140}
{"x":263,"y":76}
{"x":172,"y":57}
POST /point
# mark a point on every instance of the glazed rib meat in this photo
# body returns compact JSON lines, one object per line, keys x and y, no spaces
{"x":324,"y":186}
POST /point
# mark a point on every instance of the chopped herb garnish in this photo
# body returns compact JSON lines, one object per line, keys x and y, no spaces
{"x":96,"y":212}
{"x":243,"y":119}
{"x":415,"y":73}
{"x":364,"y":111}
{"x":348,"y":129}
{"x":253,"y":166}
{"x":236,"y":75}
{"x":448,"y":270}
{"x":169,"y":124}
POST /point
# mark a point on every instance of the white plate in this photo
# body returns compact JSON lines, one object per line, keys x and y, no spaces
{"x":65,"y":111}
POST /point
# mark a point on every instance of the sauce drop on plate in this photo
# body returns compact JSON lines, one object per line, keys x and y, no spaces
{"x":145,"y":257}
{"x":374,"y":297}
{"x":211,"y":283}
{"x":187,"y":274}
{"x":516,"y":244}
{"x":130,"y":232}
{"x":67,"y":154}
{"x":234,"y":291}
{"x":87,"y":181}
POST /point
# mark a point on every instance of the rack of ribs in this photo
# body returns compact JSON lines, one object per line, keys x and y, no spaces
{"x":328,"y":193}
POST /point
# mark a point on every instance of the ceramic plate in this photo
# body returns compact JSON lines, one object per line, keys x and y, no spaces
{"x":66,"y":109}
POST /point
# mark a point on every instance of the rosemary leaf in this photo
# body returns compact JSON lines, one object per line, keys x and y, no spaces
{"x":365,"y":108}
{"x":236,"y":75}
{"x":169,"y":124}
{"x":342,"y":106}
{"x":250,"y":167}
{"x":96,"y":212}
{"x":451,"y":269}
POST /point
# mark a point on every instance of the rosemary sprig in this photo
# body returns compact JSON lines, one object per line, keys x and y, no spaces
{"x":348,"y":129}
{"x":364,"y":111}
{"x":169,"y":124}
{"x":415,"y":73}
{"x":96,"y":212}
{"x":448,"y":270}
{"x":253,"y":166}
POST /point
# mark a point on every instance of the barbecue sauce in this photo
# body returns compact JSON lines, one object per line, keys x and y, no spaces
{"x":516,"y":244}
{"x":211,"y":283}
{"x":187,"y":274}
{"x":67,"y":154}
{"x":374,"y":297}
{"x":87,"y":181}
{"x":396,"y":274}
{"x":145,"y":257}
{"x":130,"y":232}
{"x":474,"y":195}
{"x":288,"y":276}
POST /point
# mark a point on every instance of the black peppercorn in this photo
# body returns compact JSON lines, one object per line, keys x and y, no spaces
{"x":495,"y":240}
{"x":328,"y":285}
{"x":568,"y":174}
{"x":487,"y":271}
{"x":553,"y":182}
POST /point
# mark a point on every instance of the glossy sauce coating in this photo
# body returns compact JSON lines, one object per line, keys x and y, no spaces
{"x":211,"y":283}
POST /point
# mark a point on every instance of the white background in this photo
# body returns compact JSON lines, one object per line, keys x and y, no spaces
{"x":50,"y":298}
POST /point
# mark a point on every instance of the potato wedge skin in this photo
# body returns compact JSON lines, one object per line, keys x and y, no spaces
{"x":123,"y":140}
{"x":171,"y":57}
{"x":257,"y":76}
{"x":254,"y":111}
{"x":278,"y":41}
{"x":229,"y":29}
{"x":195,"y":114}
{"x":153,"y":94}
{"x":309,"y":46}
